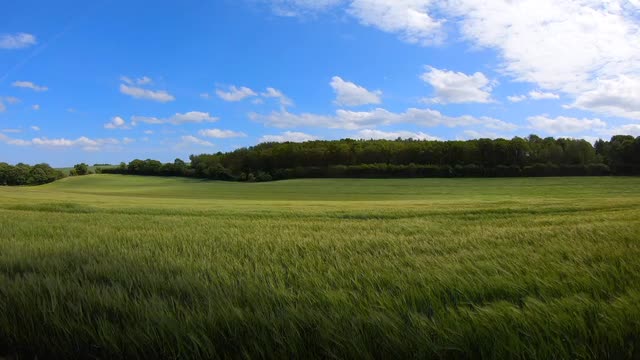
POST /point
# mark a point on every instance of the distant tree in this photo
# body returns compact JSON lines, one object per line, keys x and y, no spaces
{"x":81,"y":169}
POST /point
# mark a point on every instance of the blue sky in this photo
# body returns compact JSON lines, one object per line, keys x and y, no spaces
{"x":110,"y":80}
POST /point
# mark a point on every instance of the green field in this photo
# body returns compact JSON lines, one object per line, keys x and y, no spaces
{"x":131,"y":267}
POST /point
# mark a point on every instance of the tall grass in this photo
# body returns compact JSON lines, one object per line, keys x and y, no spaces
{"x":115,"y":267}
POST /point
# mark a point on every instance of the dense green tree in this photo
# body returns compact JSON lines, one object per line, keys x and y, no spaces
{"x":23,"y":174}
{"x":81,"y":169}
{"x":530,"y":156}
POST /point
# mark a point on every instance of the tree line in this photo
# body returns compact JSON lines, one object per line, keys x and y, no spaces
{"x":530,"y":156}
{"x":23,"y":174}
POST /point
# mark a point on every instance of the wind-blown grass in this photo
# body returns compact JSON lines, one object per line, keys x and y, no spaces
{"x":133,"y":267}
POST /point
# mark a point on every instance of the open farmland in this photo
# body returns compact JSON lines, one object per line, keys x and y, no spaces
{"x":130,"y":267}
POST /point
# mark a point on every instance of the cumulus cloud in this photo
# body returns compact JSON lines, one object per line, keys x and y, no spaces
{"x":29,"y":85}
{"x":627,"y":129}
{"x":351,"y":94}
{"x":235,"y":94}
{"x":619,"y":97}
{"x":585,"y":49}
{"x":582,"y":48}
{"x":288,"y":136}
{"x":17,"y":41}
{"x":563,"y":124}
{"x":221,"y":134}
{"x":116,"y":123}
{"x":193,"y":117}
{"x":354,"y":120}
{"x":277,"y":94}
{"x":411,"y":20}
{"x":458,"y":87}
{"x":190,"y":140}
{"x":392,"y":135}
{"x":140,"y":93}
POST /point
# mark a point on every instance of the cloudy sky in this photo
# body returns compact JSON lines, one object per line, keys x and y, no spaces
{"x":111,"y":80}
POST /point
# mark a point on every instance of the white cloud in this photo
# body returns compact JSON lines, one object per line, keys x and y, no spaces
{"x":517,"y":98}
{"x":410,"y":19}
{"x":562,"y":124}
{"x":140,"y":93}
{"x":534,"y":95}
{"x":457,"y":87}
{"x":188,"y":140}
{"x":540,"y":95}
{"x":578,"y":47}
{"x":35,"y":128}
{"x":235,"y":94}
{"x":11,"y":131}
{"x":36,"y":107}
{"x":3,"y":107}
{"x":83,"y":142}
{"x":350,"y":94}
{"x":288,"y":136}
{"x":353,"y":120}
{"x":619,"y":97}
{"x":193,"y":117}
{"x":148,"y":132}
{"x":139,"y":81}
{"x":29,"y":85}
{"x":205,"y":96}
{"x":127,"y":140}
{"x":628,"y":129}
{"x":17,"y":41}
{"x":277,"y":94}
{"x":116,"y":123}
{"x":392,"y":135}
{"x":221,"y":134}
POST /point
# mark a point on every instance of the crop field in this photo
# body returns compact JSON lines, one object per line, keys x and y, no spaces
{"x":109,"y":266}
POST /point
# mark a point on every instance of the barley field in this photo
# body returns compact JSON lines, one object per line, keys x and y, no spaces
{"x":108,"y":266}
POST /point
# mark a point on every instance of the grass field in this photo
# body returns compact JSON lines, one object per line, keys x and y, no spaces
{"x":130,"y":267}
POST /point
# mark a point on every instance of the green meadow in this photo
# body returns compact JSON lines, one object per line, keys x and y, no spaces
{"x":109,"y":266}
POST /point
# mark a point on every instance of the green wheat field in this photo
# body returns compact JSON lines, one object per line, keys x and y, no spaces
{"x":108,"y":266}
